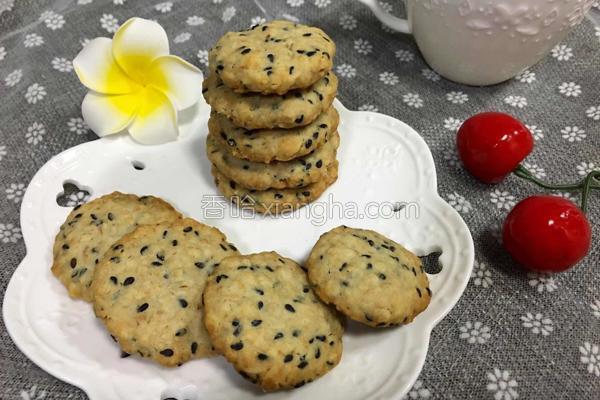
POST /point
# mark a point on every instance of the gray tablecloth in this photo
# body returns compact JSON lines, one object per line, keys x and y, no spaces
{"x":512,"y":334}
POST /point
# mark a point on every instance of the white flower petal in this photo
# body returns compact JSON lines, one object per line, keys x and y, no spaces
{"x":178,"y":79}
{"x":97,"y":70}
{"x":137,"y":43}
{"x":108,"y":114}
{"x":156,"y":120}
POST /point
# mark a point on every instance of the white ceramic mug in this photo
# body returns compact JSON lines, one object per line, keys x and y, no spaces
{"x":483,"y":42}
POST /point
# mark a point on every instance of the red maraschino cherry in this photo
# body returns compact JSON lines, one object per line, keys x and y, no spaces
{"x":547,"y":233}
{"x":492,"y":144}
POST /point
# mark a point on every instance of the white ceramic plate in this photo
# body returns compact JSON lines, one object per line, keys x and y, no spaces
{"x":382,"y":161}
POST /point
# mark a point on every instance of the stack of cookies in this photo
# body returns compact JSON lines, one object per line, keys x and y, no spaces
{"x":273,"y":130}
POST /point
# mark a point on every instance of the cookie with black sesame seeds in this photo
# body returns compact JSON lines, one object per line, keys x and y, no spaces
{"x":267,"y":145}
{"x":297,"y":107}
{"x":273,"y":57}
{"x":295,"y":173}
{"x":368,"y":277}
{"x":90,"y":229}
{"x":263,"y":316}
{"x":148,"y":289}
{"x":274,"y":201}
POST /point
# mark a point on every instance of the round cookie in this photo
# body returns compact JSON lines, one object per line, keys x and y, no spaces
{"x":148,"y":289}
{"x":274,"y":201}
{"x":263,"y":316}
{"x":273,"y":57}
{"x":267,"y":145}
{"x":90,"y":229}
{"x":298,"y":107}
{"x":368,"y":277}
{"x":278,"y":174}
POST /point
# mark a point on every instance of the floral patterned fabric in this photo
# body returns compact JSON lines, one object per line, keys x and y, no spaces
{"x":512,"y":335}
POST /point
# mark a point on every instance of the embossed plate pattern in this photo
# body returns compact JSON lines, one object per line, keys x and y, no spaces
{"x":382,"y":161}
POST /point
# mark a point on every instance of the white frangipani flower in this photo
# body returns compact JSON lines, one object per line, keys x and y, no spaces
{"x":182,"y":37}
{"x":481,"y":275}
{"x":595,"y":306}
{"x":418,"y":391}
{"x":413,"y":100}
{"x":345,"y":70}
{"x":585,"y":168}
{"x":33,"y":40}
{"x":35,"y":93}
{"x":77,"y":125}
{"x":502,"y":199}
{"x":537,"y":323}
{"x":15,"y":192}
{"x":228,"y":14}
{"x":503,"y":386}
{"x":13,"y":78}
{"x":202,"y":57}
{"x":194,"y":20}
{"x":404,"y":55}
{"x":457,"y":97}
{"x":474,"y":332}
{"x":573,"y":133}
{"x":135,"y":84}
{"x":569,"y":89}
{"x":389,"y":78}
{"x":347,"y":22}
{"x":109,"y":23}
{"x":526,"y":76}
{"x":452,"y":124}
{"x":536,"y":132}
{"x":461,"y":204}
{"x":362,"y":46}
{"x":536,"y":171}
{"x":593,"y":112}
{"x":542,"y":282}
{"x":562,"y":52}
{"x":430,"y":75}
{"x":368,"y":107}
{"x":590,"y":356}
{"x":516,"y":101}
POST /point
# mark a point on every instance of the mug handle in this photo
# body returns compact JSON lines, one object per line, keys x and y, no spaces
{"x":392,"y":22}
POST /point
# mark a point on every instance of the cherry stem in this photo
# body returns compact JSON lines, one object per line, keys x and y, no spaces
{"x":591,"y":181}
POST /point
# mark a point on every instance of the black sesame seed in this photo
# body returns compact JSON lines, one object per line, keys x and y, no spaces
{"x":305,"y":290}
{"x":262,"y":356}
{"x":113,"y":279}
{"x":194,"y":347}
{"x":181,"y":332}
{"x":319,"y":164}
{"x":278,"y":335}
{"x":368,"y":318}
{"x":142,"y":307}
{"x":115,"y":260}
{"x":235,"y":322}
{"x":165,"y":233}
{"x":419,"y":292}
{"x":288,"y":358}
{"x":289,"y":308}
{"x":278,"y":196}
{"x":124,"y":354}
{"x":156,"y":263}
{"x":322,"y":338}
{"x":331,"y":343}
{"x":296,"y":333}
{"x":369,"y":266}
{"x":128,"y":281}
{"x":308,"y":143}
{"x":302,"y":364}
{"x":183,"y":303}
{"x":174,"y":242}
{"x":428,"y":291}
{"x":232,"y":184}
{"x":65,"y":246}
{"x":318,"y":353}
{"x":78,"y":215}
{"x":167,"y":352}
{"x":259,"y":291}
{"x":73,"y":262}
{"x":330,"y":363}
{"x":237,"y":346}
{"x":299,"y":119}
{"x":307,"y":34}
{"x":232,"y":247}
{"x":94,"y":217}
{"x":343,"y":267}
{"x":300,"y":51}
{"x":299,"y":384}
{"x":220,"y":67}
{"x":199,"y":264}
{"x":143,"y":249}
{"x":246,"y":51}
{"x":306,"y":193}
{"x":291,"y":69}
{"x":271,"y":57}
{"x":269,"y":269}
{"x":160,"y":256}
{"x":110,"y":216}
{"x":220,"y":277}
{"x":256,"y":322}
{"x":187,"y":229}
{"x":311,"y":53}
{"x":345,"y":283}
{"x":382,"y":277}
{"x":260,"y":305}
